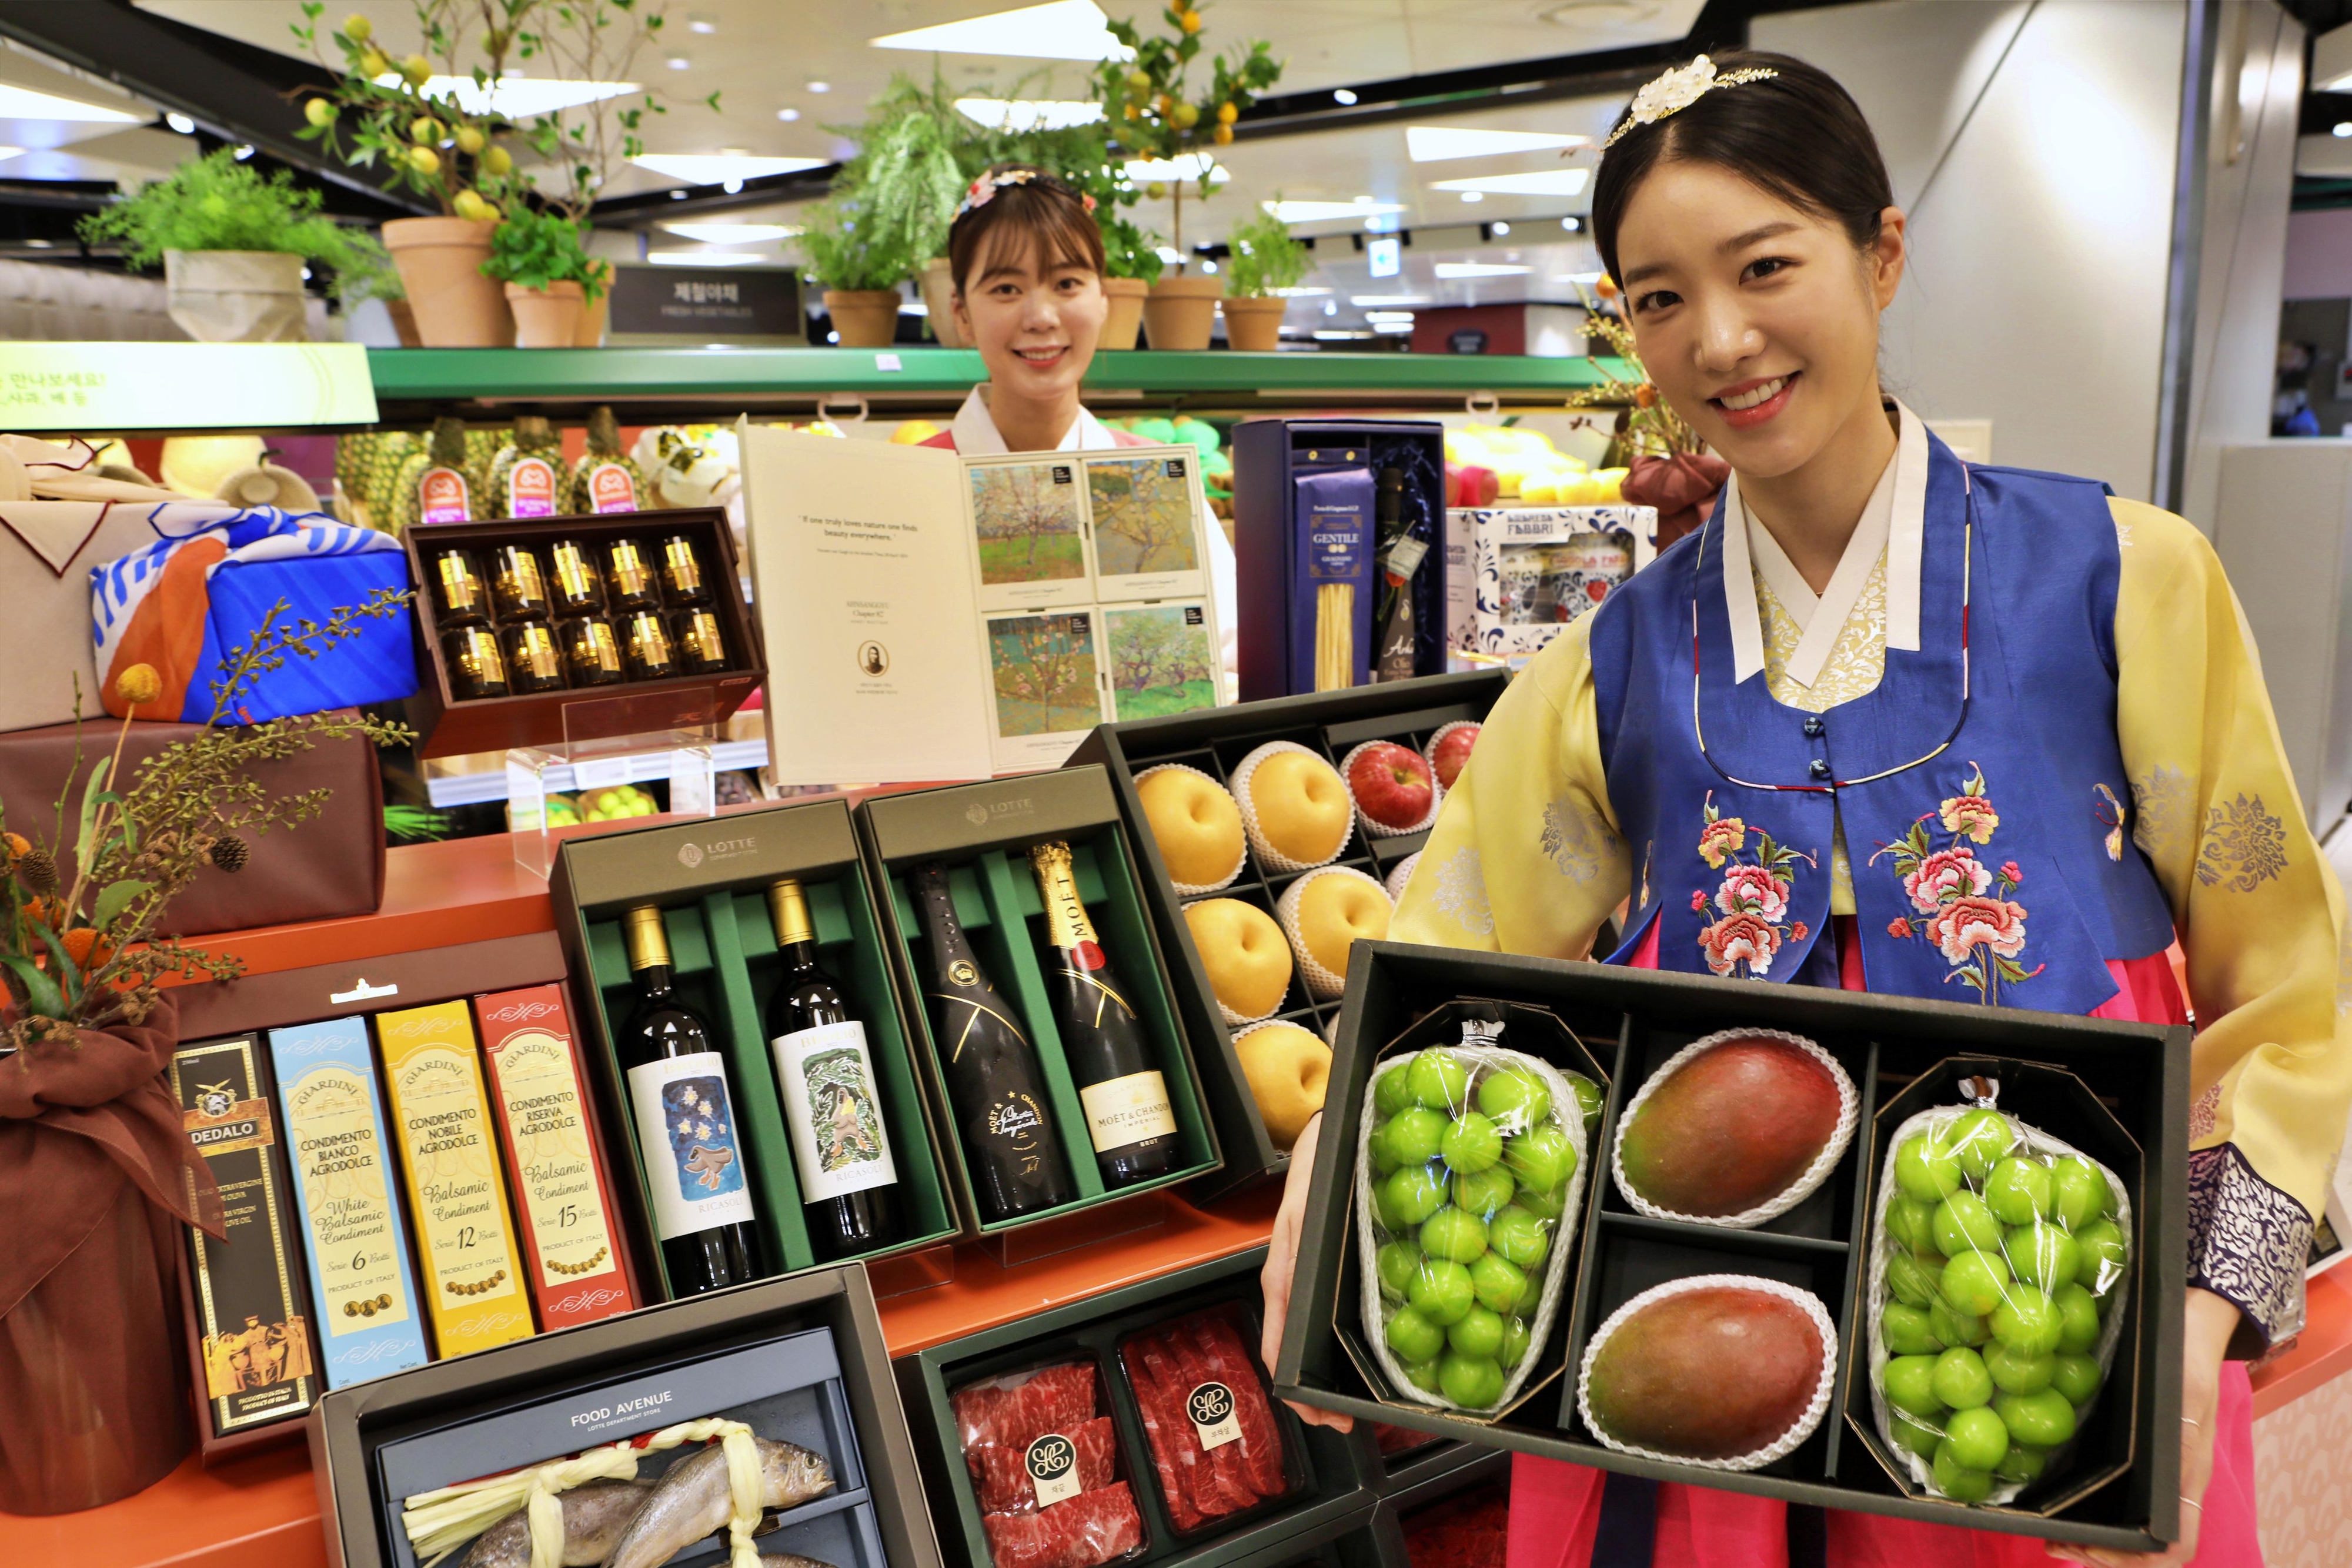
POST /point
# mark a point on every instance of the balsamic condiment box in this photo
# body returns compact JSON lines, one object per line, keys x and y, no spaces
{"x":708,"y":881}
{"x":2117,"y":1090}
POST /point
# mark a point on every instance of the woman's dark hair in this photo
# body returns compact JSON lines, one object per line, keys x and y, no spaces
{"x":1797,"y":134}
{"x":1042,"y":208}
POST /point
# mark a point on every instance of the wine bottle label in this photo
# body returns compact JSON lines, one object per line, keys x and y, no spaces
{"x":827,"y":1083}
{"x":1123,"y":1111}
{"x":441,"y":496}
{"x":355,"y":1242}
{"x":1214,"y":1420}
{"x":554,"y":1169}
{"x":1051,"y":1462}
{"x":686,"y":1127}
{"x":610,"y":489}
{"x":530,"y":488}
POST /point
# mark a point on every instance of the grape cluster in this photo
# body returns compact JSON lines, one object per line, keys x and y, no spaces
{"x":2000,"y":1267}
{"x":1468,"y":1177}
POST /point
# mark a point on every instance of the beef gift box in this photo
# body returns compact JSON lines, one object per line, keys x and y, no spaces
{"x":1181,"y":1455}
{"x":1330,"y":725}
{"x":798,"y":1360}
{"x":982,"y":833}
{"x":508,"y":578}
{"x":710,"y":881}
{"x":2115,"y":1091}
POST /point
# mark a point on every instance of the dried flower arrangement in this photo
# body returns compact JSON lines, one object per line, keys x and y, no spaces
{"x":80,"y":945}
{"x":1651,"y":429}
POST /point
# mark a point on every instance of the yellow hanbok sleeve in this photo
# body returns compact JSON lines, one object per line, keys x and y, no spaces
{"x":1526,"y":856}
{"x":2258,"y":914}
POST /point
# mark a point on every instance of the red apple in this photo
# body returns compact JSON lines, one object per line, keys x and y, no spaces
{"x":1452,"y":752}
{"x":1391,"y":784}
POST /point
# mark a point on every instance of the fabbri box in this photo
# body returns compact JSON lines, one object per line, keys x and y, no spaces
{"x":1043,"y":1122}
{"x":1889,"y":1047}
{"x":799,"y":1362}
{"x":710,"y":882}
{"x":1330,"y":725}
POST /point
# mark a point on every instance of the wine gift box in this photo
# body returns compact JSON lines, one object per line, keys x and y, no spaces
{"x":799,"y":1360}
{"x":710,"y":881}
{"x":451,"y":725}
{"x":1331,"y":1491}
{"x":983,"y":832}
{"x":1214,"y":741}
{"x":2137,"y":1075}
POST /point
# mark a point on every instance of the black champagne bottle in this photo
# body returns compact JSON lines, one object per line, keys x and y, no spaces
{"x":993,"y":1083}
{"x":840,"y":1143}
{"x":1111,"y":1059}
{"x":687,"y":1131}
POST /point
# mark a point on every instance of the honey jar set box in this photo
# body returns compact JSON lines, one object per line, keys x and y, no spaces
{"x":630,"y":1421}
{"x":1036,"y":991}
{"x":543,"y":630}
{"x":1133,"y":1427}
{"x":1208,"y":753}
{"x":1833,"y":1265}
{"x":765,"y":1144}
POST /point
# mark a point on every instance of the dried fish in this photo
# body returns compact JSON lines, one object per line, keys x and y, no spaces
{"x":594,"y":1515}
{"x":692,"y":1501}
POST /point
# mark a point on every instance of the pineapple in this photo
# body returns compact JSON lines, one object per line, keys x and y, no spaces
{"x":366,"y":461}
{"x":527,"y":479}
{"x":605,"y":479}
{"x":440,"y":471}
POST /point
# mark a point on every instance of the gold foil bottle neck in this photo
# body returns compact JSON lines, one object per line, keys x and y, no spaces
{"x":1066,"y":925}
{"x":788,"y":907}
{"x":648,"y":943}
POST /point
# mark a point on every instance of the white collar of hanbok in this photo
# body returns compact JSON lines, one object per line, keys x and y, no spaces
{"x":1892,"y":522}
{"x":976,"y":433}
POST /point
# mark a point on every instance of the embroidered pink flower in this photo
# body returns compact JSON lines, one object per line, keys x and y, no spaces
{"x":2011,"y":873}
{"x":1971,"y":816}
{"x":1753,"y":890}
{"x":1944,"y":874}
{"x":1899,"y":929}
{"x":1698,"y":901}
{"x":1739,"y":939}
{"x":1721,"y":839}
{"x":1798,"y":932}
{"x":1969,"y":923}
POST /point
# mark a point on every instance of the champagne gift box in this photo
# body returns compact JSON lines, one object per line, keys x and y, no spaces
{"x":710,"y":881}
{"x":1330,"y":725}
{"x":982,"y":833}
{"x":2133,"y":1082}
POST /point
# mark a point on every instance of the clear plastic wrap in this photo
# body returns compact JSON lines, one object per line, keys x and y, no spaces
{"x":1466,"y":1163}
{"x":1207,"y":1419}
{"x":1045,"y":1463}
{"x":1998,"y":1257}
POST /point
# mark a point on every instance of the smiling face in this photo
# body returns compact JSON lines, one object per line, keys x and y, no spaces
{"x":1756,"y":319}
{"x":1034,"y":320}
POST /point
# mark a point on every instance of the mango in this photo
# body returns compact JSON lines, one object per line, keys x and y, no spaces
{"x":1734,"y":1127}
{"x":1708,"y":1373}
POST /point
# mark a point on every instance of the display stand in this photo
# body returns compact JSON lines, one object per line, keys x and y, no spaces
{"x":589,"y":758}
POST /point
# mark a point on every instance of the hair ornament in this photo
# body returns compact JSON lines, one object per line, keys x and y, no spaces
{"x":983,"y":189}
{"x":1677,"y":89}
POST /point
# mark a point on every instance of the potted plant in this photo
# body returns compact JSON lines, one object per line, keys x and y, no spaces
{"x":549,"y":277}
{"x":858,"y":254}
{"x":95,"y":1176}
{"x":1144,"y":99}
{"x":233,"y":244}
{"x":1264,"y":258}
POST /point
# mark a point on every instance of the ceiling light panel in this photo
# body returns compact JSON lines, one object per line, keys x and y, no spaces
{"x":1184,"y":166}
{"x":1478,"y":269}
{"x":703,"y":259}
{"x":1027,"y":113}
{"x":732,"y":234}
{"x":1436,"y":143}
{"x":1320,"y":212}
{"x":23,"y":104}
{"x":718,"y":168}
{"x":1061,"y":30}
{"x":518,"y":98}
{"x":1534,"y":182}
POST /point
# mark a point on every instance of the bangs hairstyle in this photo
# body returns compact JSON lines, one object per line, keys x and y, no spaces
{"x":1044,"y":213}
{"x":1797,"y":135}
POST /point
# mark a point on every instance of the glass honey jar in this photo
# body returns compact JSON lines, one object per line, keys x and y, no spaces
{"x":592,"y":651}
{"x":534,"y":662}
{"x":477,"y":668}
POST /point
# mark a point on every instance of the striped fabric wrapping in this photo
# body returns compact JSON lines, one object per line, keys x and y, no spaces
{"x":185,"y":604}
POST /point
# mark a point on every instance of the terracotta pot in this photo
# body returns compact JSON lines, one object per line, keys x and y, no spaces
{"x":866,"y":317}
{"x":404,"y":322}
{"x":938,"y":303}
{"x":440,"y":263}
{"x":1182,"y":312}
{"x":236,"y":296}
{"x":1125,"y":317}
{"x":1255,"y":325}
{"x":599,"y":311}
{"x":547,"y":318}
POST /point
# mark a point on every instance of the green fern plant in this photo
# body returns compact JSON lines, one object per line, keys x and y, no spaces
{"x":1265,"y":258}
{"x":215,"y":203}
{"x":537,"y":249}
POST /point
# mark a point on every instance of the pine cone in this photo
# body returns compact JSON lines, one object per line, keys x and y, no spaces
{"x":230,"y":852}
{"x":37,"y":869}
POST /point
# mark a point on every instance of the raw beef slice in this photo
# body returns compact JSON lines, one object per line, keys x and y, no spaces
{"x":1003,"y":1474}
{"x":1091,"y":1528}
{"x":1209,"y":1492}
{"x":1224,"y":1460}
{"x":1160,"y":1431}
{"x":1054,"y":1399}
{"x":1261,"y":1443}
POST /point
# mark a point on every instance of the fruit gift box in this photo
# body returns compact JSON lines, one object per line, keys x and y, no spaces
{"x":1132,"y":1427}
{"x":1257,"y":998}
{"x":1719,"y":1318}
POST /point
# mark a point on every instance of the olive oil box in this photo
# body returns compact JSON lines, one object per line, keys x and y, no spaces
{"x":449,"y":1154}
{"x":709,"y":880}
{"x":362,"y":1293}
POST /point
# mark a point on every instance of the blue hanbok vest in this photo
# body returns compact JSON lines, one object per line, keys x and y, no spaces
{"x":1981,"y":785}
